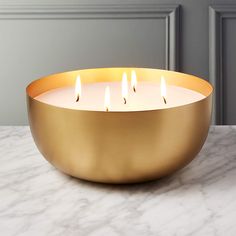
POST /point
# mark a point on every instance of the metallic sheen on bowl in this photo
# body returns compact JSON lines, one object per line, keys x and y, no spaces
{"x":119,"y":147}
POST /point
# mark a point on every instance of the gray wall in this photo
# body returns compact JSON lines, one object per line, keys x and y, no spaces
{"x":38,"y":38}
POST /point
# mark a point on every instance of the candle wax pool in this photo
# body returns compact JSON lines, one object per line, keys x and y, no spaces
{"x":147,"y":97}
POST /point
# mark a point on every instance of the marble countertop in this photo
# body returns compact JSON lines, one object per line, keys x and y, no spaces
{"x":36,"y":199}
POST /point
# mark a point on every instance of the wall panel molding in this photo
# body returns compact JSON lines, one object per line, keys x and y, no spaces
{"x":216,"y":49}
{"x":123,"y":11}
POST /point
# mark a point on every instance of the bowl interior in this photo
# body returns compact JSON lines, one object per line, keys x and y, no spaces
{"x":115,"y":74}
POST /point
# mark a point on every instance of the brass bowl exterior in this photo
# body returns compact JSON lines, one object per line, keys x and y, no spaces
{"x":119,"y":147}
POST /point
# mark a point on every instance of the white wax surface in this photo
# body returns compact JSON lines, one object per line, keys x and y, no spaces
{"x":147,"y":97}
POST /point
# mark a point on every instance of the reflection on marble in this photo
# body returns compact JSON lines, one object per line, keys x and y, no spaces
{"x":36,"y":199}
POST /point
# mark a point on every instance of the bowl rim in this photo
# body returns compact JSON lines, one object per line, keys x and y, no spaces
{"x":31,"y":86}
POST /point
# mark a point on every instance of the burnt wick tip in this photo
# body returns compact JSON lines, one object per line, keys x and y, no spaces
{"x":164,"y":100}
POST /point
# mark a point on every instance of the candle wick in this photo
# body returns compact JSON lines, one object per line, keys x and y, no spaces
{"x":164,"y":100}
{"x":125,"y":101}
{"x":77,"y":98}
{"x":134,"y":89}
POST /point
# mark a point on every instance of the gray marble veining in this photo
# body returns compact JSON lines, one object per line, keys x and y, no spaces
{"x":36,"y":199}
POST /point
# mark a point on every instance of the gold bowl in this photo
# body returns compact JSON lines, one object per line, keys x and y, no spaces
{"x":119,"y":147}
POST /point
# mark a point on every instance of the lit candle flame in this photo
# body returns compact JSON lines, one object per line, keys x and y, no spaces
{"x":133,"y":80}
{"x":78,"y":88}
{"x":124,"y":87}
{"x":163,"y":89}
{"x":107,"y":98}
